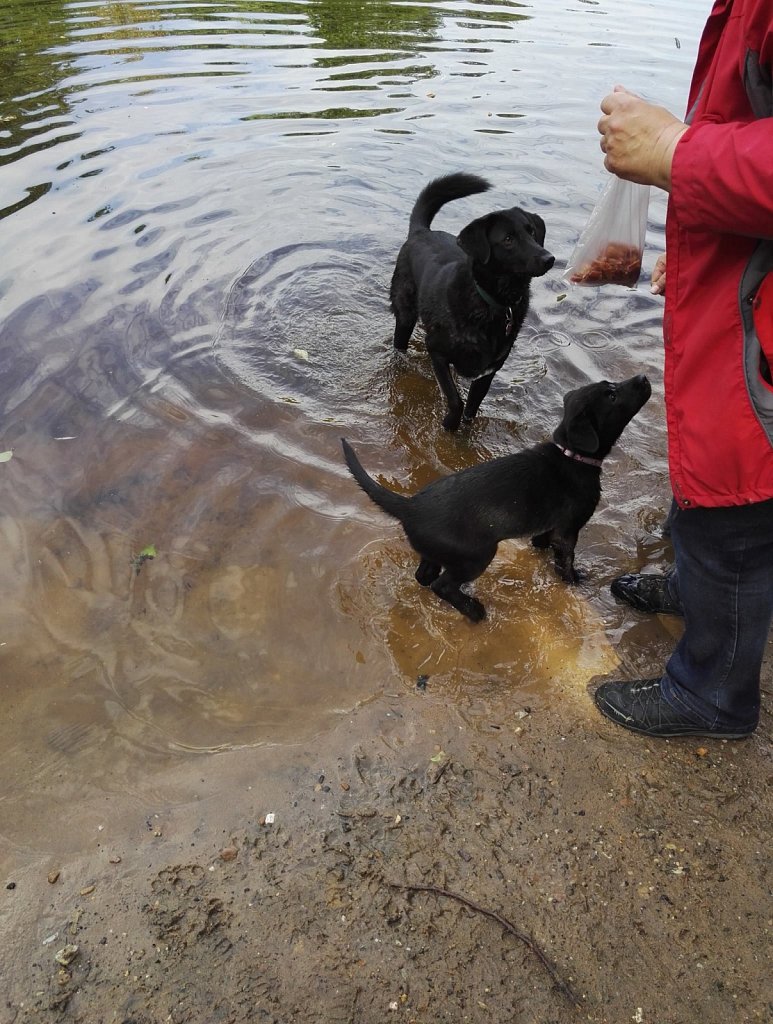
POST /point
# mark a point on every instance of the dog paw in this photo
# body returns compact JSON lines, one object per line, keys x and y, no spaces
{"x":473,"y":609}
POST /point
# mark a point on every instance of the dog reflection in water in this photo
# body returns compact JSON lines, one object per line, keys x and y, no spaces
{"x":547,"y":492}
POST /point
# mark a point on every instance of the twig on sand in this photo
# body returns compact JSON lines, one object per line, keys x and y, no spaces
{"x":560,"y":984}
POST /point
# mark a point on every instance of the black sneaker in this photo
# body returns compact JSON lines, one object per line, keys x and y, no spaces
{"x":641,"y":707}
{"x":647,"y":592}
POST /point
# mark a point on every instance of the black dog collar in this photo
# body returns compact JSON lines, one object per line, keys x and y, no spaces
{"x":578,"y":458}
{"x":498,"y":307}
{"x":489,"y":299}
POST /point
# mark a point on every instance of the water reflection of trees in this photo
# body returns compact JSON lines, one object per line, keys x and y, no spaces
{"x":30,"y":70}
{"x":349,"y":24}
{"x":39,"y":46}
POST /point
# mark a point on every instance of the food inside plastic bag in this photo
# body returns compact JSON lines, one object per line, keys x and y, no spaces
{"x":609,"y":250}
{"x":617,"y":264}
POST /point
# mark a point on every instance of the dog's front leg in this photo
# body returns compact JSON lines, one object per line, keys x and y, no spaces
{"x":476,"y":394}
{"x":563,"y":546}
{"x":455,"y":405}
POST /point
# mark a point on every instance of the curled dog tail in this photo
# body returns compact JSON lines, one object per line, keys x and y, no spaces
{"x":393,"y":504}
{"x":441,"y":191}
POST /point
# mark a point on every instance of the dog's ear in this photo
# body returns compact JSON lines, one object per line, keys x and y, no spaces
{"x":539,"y":227}
{"x":579,"y":433}
{"x":474,"y":239}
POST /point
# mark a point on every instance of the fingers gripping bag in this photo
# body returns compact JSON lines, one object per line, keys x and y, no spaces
{"x":609,"y":250}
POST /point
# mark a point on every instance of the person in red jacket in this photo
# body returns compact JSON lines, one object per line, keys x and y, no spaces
{"x":717,"y":166}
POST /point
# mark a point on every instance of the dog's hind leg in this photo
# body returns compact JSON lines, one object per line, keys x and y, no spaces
{"x":404,"y":305}
{"x":465,"y":568}
{"x":476,"y":394}
{"x":448,"y":589}
{"x":404,"y":326}
{"x":446,"y":381}
{"x":427,"y":572}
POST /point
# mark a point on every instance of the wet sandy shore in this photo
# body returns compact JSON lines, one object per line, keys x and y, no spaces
{"x":635,"y":876}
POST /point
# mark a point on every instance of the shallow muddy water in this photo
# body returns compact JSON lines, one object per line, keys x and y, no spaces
{"x":201,"y":204}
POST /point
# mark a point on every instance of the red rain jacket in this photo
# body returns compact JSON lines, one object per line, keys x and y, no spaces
{"x":718,"y":323}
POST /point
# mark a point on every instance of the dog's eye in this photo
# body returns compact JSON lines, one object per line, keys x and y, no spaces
{"x":612,"y":395}
{"x":530,"y":230}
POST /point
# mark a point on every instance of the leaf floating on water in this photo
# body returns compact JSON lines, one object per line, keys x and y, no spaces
{"x":148,"y":552}
{"x":301,"y":353}
{"x":437,"y":758}
{"x":6,"y":456}
{"x":561,"y":297}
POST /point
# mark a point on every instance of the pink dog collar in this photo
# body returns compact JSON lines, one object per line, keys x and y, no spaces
{"x":578,"y":458}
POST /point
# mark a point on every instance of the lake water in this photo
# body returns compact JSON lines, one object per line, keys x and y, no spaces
{"x":200,"y":208}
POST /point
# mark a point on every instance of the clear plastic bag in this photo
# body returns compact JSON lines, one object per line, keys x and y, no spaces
{"x":609,"y":250}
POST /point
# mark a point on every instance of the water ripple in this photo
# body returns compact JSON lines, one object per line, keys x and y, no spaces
{"x":202,"y":204}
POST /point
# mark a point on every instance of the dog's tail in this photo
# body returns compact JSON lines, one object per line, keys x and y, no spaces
{"x":392,"y":503}
{"x":441,"y":191}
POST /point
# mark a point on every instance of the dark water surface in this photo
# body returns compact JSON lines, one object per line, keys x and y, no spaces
{"x":201,"y":203}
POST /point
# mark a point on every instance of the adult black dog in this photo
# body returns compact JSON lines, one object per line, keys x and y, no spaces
{"x":471,"y":292}
{"x":547,"y":492}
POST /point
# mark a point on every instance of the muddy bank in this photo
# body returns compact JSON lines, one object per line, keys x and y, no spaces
{"x":639,"y":871}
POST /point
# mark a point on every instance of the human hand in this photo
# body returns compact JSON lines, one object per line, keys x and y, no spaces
{"x":658,"y":279}
{"x":638,"y":138}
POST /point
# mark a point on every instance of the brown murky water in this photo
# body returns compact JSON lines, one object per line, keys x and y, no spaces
{"x":202,"y":203}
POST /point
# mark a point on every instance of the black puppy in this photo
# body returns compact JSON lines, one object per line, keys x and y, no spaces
{"x":547,"y":492}
{"x":471,"y":292}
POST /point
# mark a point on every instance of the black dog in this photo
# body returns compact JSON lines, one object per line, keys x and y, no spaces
{"x":471,"y":292}
{"x":548,"y":492}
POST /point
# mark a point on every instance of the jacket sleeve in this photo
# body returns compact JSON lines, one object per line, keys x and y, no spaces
{"x":722,"y":178}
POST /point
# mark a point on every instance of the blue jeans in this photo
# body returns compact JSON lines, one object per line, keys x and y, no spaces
{"x":723,"y":579}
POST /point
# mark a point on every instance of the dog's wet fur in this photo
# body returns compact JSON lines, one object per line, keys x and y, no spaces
{"x":545,"y":492}
{"x":471,"y":292}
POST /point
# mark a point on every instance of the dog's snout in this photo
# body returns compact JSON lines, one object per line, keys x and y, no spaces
{"x":541,"y":263}
{"x":642,"y":387}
